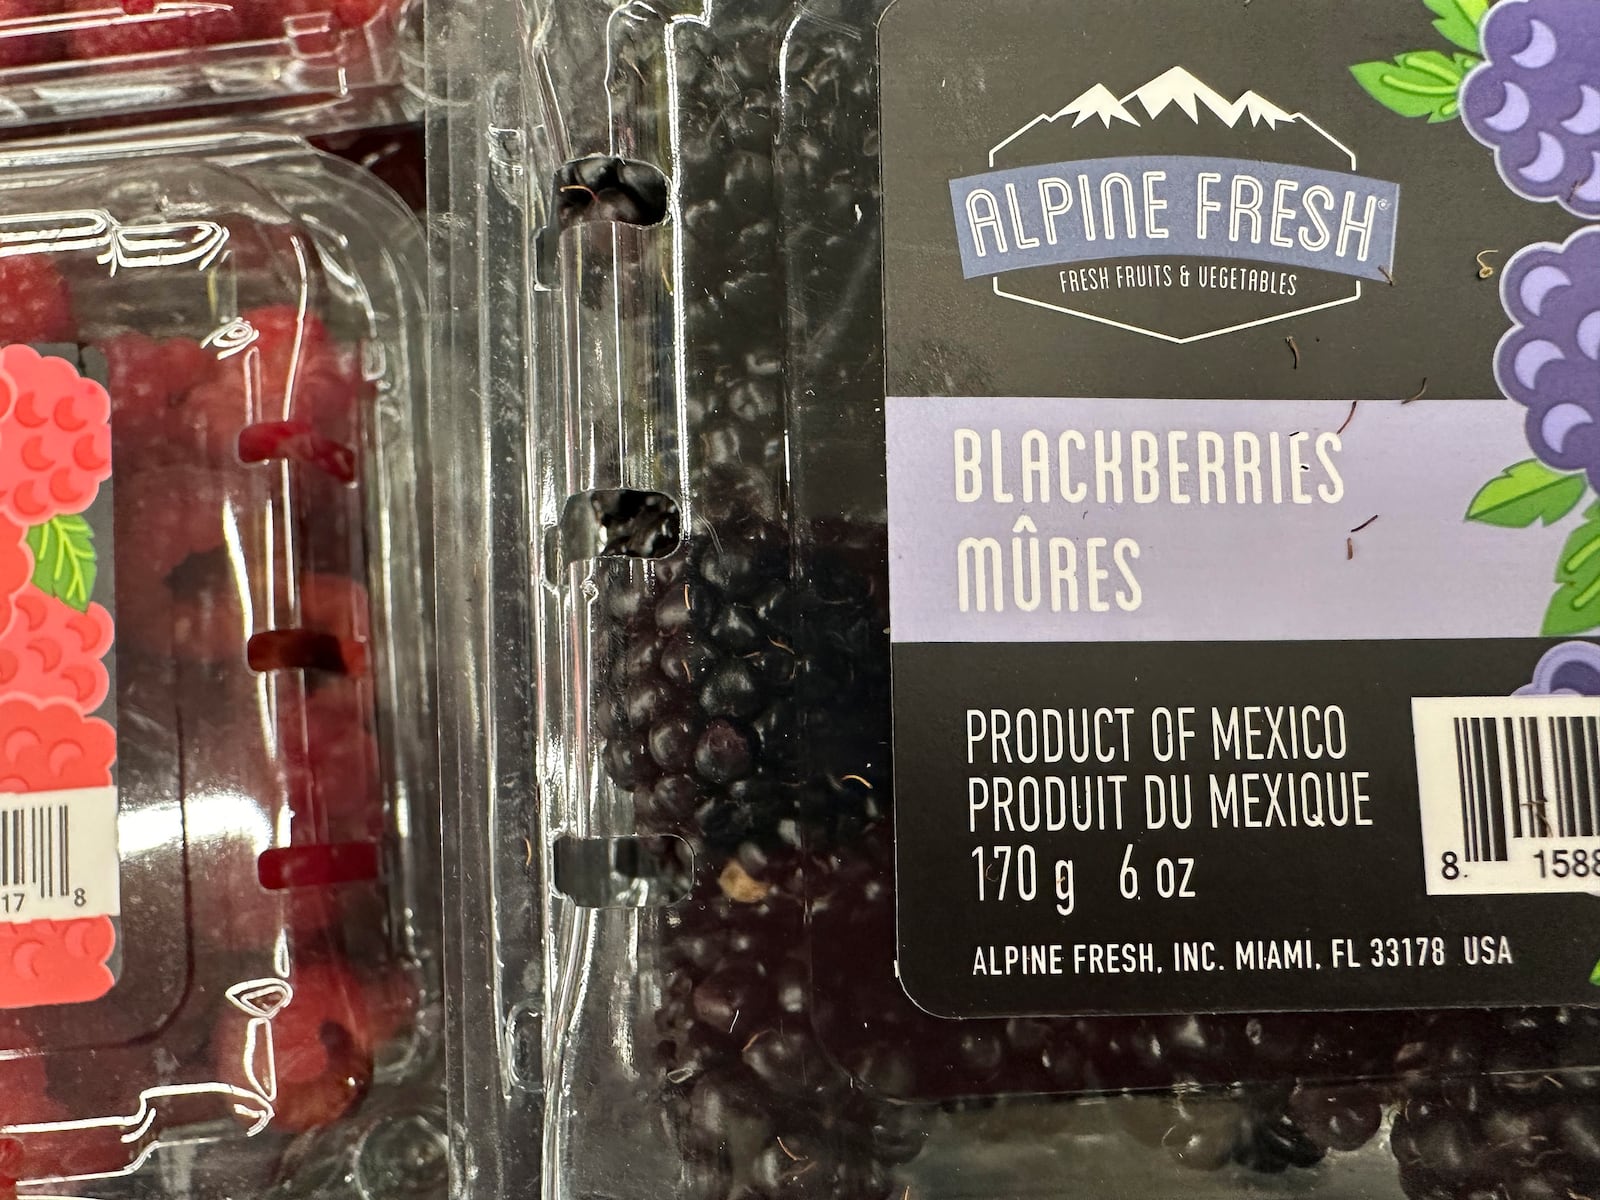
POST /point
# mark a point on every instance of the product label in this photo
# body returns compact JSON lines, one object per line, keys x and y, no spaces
{"x":59,"y":890}
{"x":1241,"y":461}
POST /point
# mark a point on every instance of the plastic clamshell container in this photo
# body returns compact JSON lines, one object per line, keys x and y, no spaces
{"x":75,"y":60}
{"x":217,"y":677}
{"x":680,"y":918}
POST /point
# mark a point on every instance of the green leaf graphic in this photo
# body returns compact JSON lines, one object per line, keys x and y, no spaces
{"x":1594,"y":975}
{"x":1459,"y":20}
{"x":1575,"y":608}
{"x":1422,"y":83}
{"x":64,"y":563}
{"x":1525,"y":493}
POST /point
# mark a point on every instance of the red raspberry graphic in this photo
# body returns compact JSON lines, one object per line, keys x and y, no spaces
{"x":141,"y":30}
{"x":55,"y":962}
{"x":16,"y":569}
{"x":334,"y":781}
{"x":55,"y":443}
{"x":45,"y":745}
{"x":35,"y":303}
{"x":53,"y":651}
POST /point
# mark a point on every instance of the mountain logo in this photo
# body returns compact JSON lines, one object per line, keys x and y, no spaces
{"x":1175,"y":212}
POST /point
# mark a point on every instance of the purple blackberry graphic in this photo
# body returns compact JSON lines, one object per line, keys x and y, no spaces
{"x":1570,"y":669}
{"x":1535,"y":100}
{"x":1525,"y":80}
{"x":1550,"y":361}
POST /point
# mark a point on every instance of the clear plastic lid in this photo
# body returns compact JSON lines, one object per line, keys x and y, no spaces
{"x":64,"y":60}
{"x":217,"y":700}
{"x":741,"y":926}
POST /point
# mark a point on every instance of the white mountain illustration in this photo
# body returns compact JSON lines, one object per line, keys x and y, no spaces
{"x":1180,"y":87}
{"x":1099,"y":101}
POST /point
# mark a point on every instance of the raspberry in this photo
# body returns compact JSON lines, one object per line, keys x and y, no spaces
{"x":47,"y":745}
{"x":22,"y":1090}
{"x":53,"y":651}
{"x":142,"y":29}
{"x":321,"y":1043}
{"x":35,"y":302}
{"x":1550,"y":360}
{"x":1536,"y":102}
{"x":55,"y":442}
{"x":168,"y":532}
{"x":334,"y":781}
{"x":334,"y":604}
{"x":21,"y":46}
{"x":147,"y":382}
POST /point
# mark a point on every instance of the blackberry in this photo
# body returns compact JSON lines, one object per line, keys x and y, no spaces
{"x":1535,"y":100}
{"x":1504,"y":1104}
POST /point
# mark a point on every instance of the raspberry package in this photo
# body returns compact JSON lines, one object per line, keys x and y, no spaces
{"x":196,"y":624}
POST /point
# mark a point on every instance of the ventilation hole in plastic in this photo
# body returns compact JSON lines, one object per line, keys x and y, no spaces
{"x":298,"y":442}
{"x":305,"y":650}
{"x":603,"y":188}
{"x":623,"y":872}
{"x":618,"y":523}
{"x":318,"y":865}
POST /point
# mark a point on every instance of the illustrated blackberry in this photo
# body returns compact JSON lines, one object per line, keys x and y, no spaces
{"x":1570,"y":669}
{"x":1535,"y":100}
{"x":1549,"y":362}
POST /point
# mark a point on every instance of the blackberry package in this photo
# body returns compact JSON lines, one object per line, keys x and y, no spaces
{"x":218,"y":937}
{"x":1062,"y":603}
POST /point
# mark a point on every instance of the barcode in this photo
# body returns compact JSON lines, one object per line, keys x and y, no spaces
{"x":36,"y":850}
{"x":1510,"y":793}
{"x":58,"y":855}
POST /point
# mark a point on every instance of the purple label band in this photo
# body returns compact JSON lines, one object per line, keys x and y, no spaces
{"x":1104,"y":208}
{"x":1047,"y":520}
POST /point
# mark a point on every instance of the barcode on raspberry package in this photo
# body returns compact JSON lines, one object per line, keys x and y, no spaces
{"x":1510,"y":793}
{"x":58,"y":855}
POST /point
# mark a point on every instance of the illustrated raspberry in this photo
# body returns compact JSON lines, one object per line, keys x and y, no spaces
{"x":35,"y":301}
{"x":1549,"y":362}
{"x":1535,"y":100}
{"x":1570,"y":669}
{"x":55,"y":442}
{"x":53,"y":651}
{"x":16,"y":569}
{"x":146,"y":28}
{"x":49,"y":745}
{"x":55,"y":962}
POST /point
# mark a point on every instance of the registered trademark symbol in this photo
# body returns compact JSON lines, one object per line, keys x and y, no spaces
{"x":1383,"y":204}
